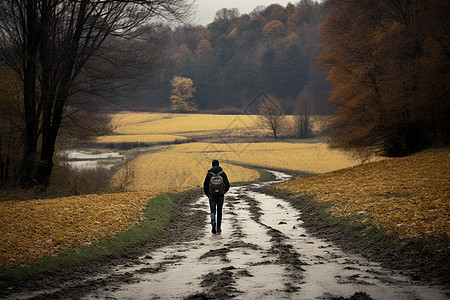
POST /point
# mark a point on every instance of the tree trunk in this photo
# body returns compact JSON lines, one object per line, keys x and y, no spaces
{"x":28,"y":168}
{"x":53,"y":102}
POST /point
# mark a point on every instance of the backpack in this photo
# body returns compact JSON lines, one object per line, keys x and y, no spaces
{"x":216,"y":184}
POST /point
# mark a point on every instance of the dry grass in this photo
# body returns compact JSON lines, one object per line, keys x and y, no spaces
{"x":407,"y":196}
{"x":156,"y":127}
{"x":178,"y":168}
{"x":305,"y":157}
{"x":36,"y":228}
{"x":184,"y":166}
{"x":179,"y":124}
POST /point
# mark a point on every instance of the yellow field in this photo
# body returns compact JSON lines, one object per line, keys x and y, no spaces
{"x":407,"y":196}
{"x":184,"y":166}
{"x":167,"y":127}
{"x":36,"y":228}
{"x":180,"y":124}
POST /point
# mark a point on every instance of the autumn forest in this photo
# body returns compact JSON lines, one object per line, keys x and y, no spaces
{"x":380,"y":69}
{"x":231,"y":60}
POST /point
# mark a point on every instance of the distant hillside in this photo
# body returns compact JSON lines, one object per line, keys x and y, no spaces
{"x":237,"y":56}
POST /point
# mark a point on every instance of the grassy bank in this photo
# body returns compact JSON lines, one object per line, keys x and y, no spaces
{"x":407,"y":197}
{"x":32,"y":229}
{"x":155,"y":217}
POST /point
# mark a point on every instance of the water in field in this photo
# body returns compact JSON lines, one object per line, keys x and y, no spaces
{"x":86,"y":159}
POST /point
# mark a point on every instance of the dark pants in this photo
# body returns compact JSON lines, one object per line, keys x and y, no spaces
{"x":216,"y":204}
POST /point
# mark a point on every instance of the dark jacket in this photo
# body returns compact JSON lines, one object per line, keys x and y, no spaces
{"x":215,"y":169}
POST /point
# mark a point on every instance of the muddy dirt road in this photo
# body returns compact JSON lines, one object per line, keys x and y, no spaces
{"x":262,"y":253}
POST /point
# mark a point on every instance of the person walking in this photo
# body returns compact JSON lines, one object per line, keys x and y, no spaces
{"x":215,"y":186}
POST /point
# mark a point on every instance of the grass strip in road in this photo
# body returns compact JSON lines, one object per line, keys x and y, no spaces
{"x":157,"y":214}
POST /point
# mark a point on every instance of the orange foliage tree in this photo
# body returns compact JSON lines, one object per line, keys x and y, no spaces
{"x":274,"y":29}
{"x":388,"y":62}
{"x":204,"y":48}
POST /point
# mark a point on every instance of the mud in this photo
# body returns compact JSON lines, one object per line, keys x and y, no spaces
{"x":267,"y":250}
{"x":412,"y":259}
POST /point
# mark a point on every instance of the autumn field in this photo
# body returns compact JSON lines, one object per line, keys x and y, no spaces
{"x":184,"y":166}
{"x":166,"y":127}
{"x":236,"y":140}
{"x":408,"y":197}
{"x":36,"y":228}
{"x":33,"y":229}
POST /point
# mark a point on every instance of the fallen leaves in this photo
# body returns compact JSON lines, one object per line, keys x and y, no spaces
{"x":35,"y":228}
{"x":407,"y":196}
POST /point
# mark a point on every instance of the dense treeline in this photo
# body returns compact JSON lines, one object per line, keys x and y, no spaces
{"x":388,"y":62}
{"x":237,"y":56}
{"x":55,"y":56}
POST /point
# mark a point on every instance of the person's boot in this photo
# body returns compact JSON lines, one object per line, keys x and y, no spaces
{"x":213,"y":224}
{"x":219,"y":229}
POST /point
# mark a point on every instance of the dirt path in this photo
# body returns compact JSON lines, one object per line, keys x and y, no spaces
{"x":264,"y":252}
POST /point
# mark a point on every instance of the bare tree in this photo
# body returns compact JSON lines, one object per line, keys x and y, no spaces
{"x":271,"y":115}
{"x":57,"y":49}
{"x":303,"y":113}
{"x":223,"y":18}
{"x":11,"y":126}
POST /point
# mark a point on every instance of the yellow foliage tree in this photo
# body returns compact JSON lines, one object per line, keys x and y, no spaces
{"x":233,"y":33}
{"x":274,"y":29}
{"x":182,"y":98}
{"x":293,"y":17}
{"x":204,"y":48}
{"x":257,"y":22}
